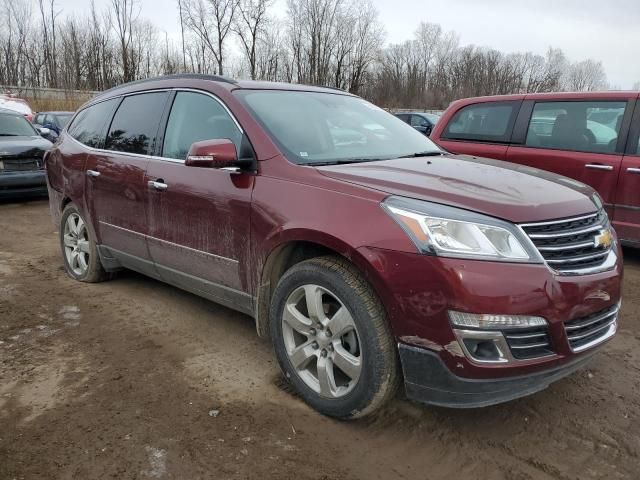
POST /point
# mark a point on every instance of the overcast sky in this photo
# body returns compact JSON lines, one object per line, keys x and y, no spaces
{"x":606,"y":30}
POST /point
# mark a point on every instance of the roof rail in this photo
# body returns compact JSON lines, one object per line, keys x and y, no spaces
{"x":176,"y":76}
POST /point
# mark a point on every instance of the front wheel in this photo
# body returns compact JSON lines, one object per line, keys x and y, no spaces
{"x":332,"y":340}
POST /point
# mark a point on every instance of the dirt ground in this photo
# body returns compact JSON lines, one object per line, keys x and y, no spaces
{"x":133,"y":379}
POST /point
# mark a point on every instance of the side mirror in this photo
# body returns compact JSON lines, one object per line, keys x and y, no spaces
{"x":218,"y":153}
{"x":44,"y":131}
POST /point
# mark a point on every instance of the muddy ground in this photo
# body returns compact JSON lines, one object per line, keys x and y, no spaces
{"x":135,"y":379}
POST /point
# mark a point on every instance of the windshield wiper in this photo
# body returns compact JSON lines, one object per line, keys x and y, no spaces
{"x":433,"y":153}
{"x":344,"y":161}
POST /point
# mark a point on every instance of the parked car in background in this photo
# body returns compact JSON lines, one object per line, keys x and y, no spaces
{"x":367,"y":255}
{"x":21,"y":157}
{"x":54,"y":121}
{"x":591,"y":137}
{"x":421,"y":121}
{"x":16,"y":104}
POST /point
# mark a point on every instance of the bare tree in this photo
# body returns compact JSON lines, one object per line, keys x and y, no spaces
{"x":211,"y":21}
{"x":249,"y":26}
{"x":48,"y":16}
{"x":587,"y":75}
{"x":126,"y":14}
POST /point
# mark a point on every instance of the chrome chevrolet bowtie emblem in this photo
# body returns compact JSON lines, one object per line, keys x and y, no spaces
{"x":603,"y":239}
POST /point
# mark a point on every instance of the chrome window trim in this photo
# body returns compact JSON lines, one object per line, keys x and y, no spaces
{"x":145,"y":236}
{"x":172,"y":89}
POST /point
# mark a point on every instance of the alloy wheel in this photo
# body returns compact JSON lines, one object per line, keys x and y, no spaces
{"x":76,"y":244}
{"x":321,"y":341}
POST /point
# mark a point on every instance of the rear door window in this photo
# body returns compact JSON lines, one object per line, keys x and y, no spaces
{"x":483,"y":122}
{"x":89,"y":126}
{"x":195,"y":117}
{"x":135,"y":125}
{"x":584,"y":126}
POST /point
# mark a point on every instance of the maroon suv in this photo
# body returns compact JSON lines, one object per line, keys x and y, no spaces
{"x":369,"y":256}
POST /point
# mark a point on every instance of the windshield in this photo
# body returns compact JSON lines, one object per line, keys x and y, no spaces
{"x":323,"y":128}
{"x":15,"y":126}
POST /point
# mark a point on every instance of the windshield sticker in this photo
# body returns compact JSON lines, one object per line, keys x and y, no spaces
{"x":304,"y":154}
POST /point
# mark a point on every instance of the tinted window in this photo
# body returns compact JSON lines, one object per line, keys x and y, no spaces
{"x":195,"y":117}
{"x":90,"y":124}
{"x":490,"y":122}
{"x":403,"y":116}
{"x":39,"y":119}
{"x":135,"y":124}
{"x":313,"y":127}
{"x":577,"y":126}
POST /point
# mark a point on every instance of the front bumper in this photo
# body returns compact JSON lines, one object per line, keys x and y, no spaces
{"x":13,"y":184}
{"x":428,"y":380}
{"x":418,"y":291}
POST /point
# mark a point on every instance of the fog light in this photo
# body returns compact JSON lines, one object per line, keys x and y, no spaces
{"x":484,"y":350}
{"x":484,"y":346}
{"x":494,"y":322}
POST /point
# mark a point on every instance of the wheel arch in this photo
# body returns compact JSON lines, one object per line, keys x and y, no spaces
{"x":296,"y":248}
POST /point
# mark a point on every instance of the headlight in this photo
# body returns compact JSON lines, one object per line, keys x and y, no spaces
{"x":453,"y":232}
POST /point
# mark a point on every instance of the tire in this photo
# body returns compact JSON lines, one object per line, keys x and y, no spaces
{"x":83,"y":265}
{"x":371,"y":360}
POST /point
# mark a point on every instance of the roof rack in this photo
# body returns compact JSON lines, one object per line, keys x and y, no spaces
{"x":176,"y":76}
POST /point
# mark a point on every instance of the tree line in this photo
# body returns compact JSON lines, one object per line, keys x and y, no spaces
{"x":336,"y":43}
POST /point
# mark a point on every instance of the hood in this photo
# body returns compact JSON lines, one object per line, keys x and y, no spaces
{"x":23,"y":146}
{"x":505,"y":190}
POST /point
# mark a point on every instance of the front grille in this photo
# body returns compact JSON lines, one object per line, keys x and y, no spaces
{"x":20,"y":164}
{"x":586,"y":332}
{"x":571,"y":244}
{"x":527,"y":343}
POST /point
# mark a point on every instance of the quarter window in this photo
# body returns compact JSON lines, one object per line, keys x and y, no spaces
{"x":135,"y":124}
{"x":195,"y":117}
{"x":484,"y":122}
{"x":577,"y":126}
{"x":89,"y":126}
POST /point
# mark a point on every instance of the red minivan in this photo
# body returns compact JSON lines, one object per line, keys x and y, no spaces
{"x":592,"y":137}
{"x":368,"y":256}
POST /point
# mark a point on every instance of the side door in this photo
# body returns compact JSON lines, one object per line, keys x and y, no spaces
{"x":199,"y":217}
{"x":627,"y":210}
{"x":580,"y":139}
{"x":481,"y":129}
{"x":116,"y":190}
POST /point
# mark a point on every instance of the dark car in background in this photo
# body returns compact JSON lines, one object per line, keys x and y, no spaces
{"x":421,"y":121}
{"x":592,"y":137}
{"x":54,"y":121}
{"x":22,"y":150}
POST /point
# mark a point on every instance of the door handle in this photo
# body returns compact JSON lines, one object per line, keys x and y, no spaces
{"x":158,"y":185}
{"x":633,"y":170}
{"x":93,"y":173}
{"x":598,"y":166}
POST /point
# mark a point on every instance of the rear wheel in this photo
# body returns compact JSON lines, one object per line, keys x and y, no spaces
{"x":79,"y":251}
{"x":332,"y":340}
